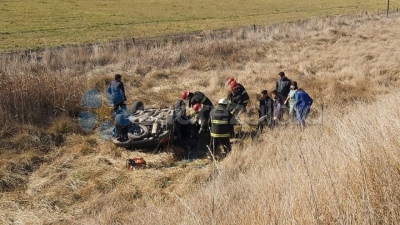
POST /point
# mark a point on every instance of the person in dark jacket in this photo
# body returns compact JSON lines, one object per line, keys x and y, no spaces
{"x":277,"y":104}
{"x":196,"y":97}
{"x":202,"y":128}
{"x":117,"y":91}
{"x":265,"y":111}
{"x":302,"y":105}
{"x":221,"y":123}
{"x":282,"y":86}
{"x":184,"y":129}
{"x":239,"y":97}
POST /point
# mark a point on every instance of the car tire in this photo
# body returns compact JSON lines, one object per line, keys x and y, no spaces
{"x":137,"y":105}
{"x":142,"y":134}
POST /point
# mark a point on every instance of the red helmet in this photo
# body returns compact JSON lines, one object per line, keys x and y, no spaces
{"x":233,"y":85}
{"x":184,"y":95}
{"x":230,"y":80}
{"x":196,"y":107}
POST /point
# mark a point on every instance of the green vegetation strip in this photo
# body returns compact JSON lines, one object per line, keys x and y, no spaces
{"x":47,"y":23}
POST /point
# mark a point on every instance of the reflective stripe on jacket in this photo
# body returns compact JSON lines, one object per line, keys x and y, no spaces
{"x":220,"y":122}
{"x":240,"y":96}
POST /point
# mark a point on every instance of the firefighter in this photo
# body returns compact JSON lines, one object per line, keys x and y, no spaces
{"x":230,"y":80}
{"x":221,"y":125}
{"x":196,"y":97}
{"x":202,"y":113}
{"x":239,"y":97}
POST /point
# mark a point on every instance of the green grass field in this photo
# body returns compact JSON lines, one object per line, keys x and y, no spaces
{"x":46,"y":23}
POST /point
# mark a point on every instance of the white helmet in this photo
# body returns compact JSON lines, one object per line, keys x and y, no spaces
{"x":223,"y":101}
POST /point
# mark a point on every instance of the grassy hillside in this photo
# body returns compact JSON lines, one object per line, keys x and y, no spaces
{"x":343,"y":168}
{"x":47,"y":23}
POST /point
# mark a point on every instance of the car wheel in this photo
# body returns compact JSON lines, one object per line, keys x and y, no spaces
{"x":138,"y":131}
{"x":137,"y":105}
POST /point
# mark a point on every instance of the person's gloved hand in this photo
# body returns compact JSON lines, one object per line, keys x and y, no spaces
{"x":190,"y":112}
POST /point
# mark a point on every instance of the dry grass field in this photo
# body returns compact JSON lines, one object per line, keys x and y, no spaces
{"x":344,"y":168}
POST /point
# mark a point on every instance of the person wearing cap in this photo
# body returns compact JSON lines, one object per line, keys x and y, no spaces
{"x":196,"y":97}
{"x":302,"y":105}
{"x":239,"y":97}
{"x":201,"y":121}
{"x":221,"y":123}
{"x":282,"y":86}
{"x":265,"y":110}
{"x":117,"y":91}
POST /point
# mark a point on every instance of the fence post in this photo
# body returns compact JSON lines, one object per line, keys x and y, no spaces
{"x":387,"y":10}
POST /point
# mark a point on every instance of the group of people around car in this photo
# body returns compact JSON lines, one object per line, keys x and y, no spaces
{"x":214,"y":125}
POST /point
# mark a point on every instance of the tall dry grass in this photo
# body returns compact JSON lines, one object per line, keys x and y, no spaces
{"x":345,"y":171}
{"x":342,"y":169}
{"x":326,"y":56}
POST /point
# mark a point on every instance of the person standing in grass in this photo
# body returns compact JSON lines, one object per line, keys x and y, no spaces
{"x":221,"y":123}
{"x":277,"y":115}
{"x":282,"y":86}
{"x":302,"y":105}
{"x":291,"y":98}
{"x":117,"y":91}
{"x":265,"y":111}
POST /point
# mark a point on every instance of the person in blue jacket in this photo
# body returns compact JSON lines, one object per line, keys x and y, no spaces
{"x":302,"y":105}
{"x":117,"y":91}
{"x":121,"y":126}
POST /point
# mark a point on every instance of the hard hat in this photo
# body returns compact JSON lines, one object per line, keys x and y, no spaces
{"x":230,"y":80}
{"x":196,"y":107}
{"x":233,"y":85}
{"x":184,"y":95}
{"x":223,"y":101}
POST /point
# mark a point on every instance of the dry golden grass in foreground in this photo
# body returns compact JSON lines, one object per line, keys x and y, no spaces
{"x":345,"y":170}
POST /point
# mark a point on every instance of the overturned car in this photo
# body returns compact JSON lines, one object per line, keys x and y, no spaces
{"x":147,"y":128}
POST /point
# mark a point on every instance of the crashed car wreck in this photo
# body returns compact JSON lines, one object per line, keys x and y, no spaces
{"x":150,"y":128}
